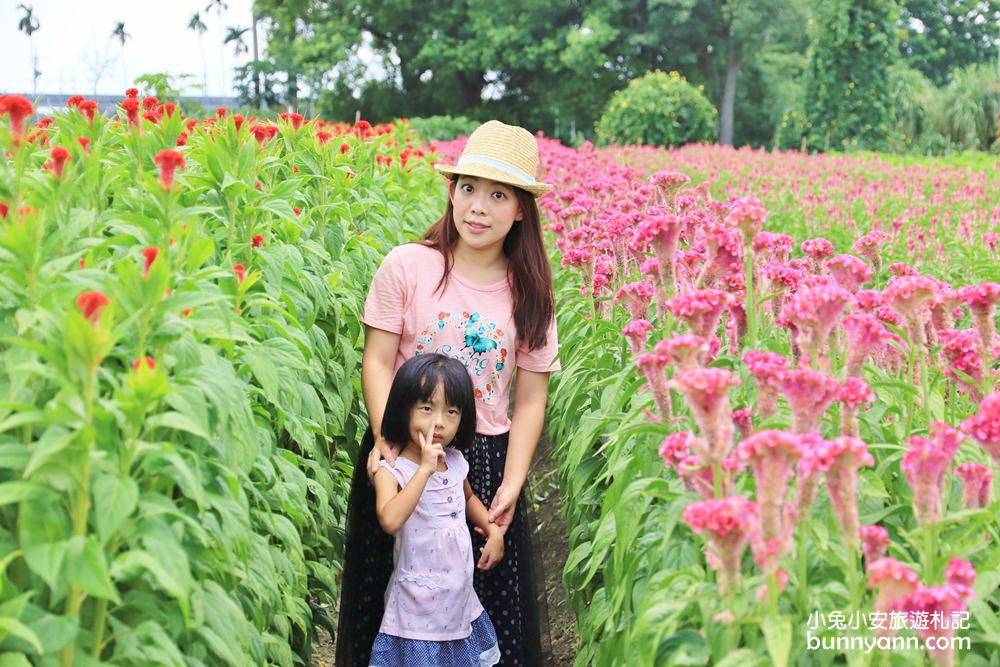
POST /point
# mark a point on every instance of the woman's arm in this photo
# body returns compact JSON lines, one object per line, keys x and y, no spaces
{"x":526,"y":426}
{"x":376,"y":377}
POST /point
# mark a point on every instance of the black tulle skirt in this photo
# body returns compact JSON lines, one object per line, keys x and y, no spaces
{"x":511,"y":593}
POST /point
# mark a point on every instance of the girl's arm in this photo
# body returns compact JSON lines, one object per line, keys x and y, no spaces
{"x":492,"y":553}
{"x":376,"y":378}
{"x":393,"y":506}
{"x":526,"y":427}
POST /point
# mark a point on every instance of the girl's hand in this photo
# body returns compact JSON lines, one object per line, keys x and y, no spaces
{"x":492,"y":553}
{"x":430,"y":451}
{"x":381,"y":450}
{"x":502,"y":507}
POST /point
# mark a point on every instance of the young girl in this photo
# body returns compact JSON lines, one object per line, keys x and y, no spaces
{"x":432,"y":616}
{"x":477,"y":288}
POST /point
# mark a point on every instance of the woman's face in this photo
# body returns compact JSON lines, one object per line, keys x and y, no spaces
{"x":485,"y":211}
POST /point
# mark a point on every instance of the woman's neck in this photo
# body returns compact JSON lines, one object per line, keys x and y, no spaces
{"x":485,"y":266}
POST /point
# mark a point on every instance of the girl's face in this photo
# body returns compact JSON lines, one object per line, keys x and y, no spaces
{"x":485,"y":211}
{"x":435,"y":412}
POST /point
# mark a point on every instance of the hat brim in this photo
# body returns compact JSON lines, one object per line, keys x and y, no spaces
{"x":485,"y":171}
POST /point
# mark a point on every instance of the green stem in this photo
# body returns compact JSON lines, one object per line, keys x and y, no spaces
{"x":803,"y":574}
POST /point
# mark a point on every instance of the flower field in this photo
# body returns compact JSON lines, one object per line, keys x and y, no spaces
{"x":788,"y":353}
{"x":776,"y":425}
{"x":178,"y":370}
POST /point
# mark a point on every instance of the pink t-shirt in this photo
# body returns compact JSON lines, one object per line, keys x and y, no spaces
{"x":469,"y":322}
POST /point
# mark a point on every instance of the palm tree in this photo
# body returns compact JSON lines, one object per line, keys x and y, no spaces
{"x":120,"y":34}
{"x":28,"y":25}
{"x":220,"y":5}
{"x":235,"y":35}
{"x":199,"y":27}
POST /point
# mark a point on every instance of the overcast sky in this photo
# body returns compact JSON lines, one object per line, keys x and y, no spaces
{"x":74,"y":40}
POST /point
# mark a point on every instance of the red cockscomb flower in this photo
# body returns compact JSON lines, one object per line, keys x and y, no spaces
{"x":88,"y":108}
{"x":240,"y":272}
{"x":132,"y":92}
{"x":59,"y":157}
{"x":257,"y":240}
{"x":18,"y":108}
{"x":91,"y":304}
{"x":131,"y":107}
{"x":168,"y":161}
{"x":146,"y":361}
{"x":150,"y":253}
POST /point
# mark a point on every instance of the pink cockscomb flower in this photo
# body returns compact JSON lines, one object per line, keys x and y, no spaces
{"x":748,"y":215}
{"x":764,"y":366}
{"x":925,"y":465}
{"x":723,"y":255}
{"x":676,"y":447}
{"x":982,"y":301}
{"x":870,"y":245}
{"x":853,"y":393}
{"x":984,"y":426}
{"x":865,"y":335}
{"x":809,"y":393}
{"x":743,"y":419}
{"x":686,"y":351}
{"x":661,"y":231}
{"x":807,"y":472}
{"x":937,"y":605}
{"x":894,"y":582}
{"x":909,"y":296}
{"x":874,"y":540}
{"x":667,"y":184}
{"x":960,"y":356}
{"x":149,"y":256}
{"x":169,"y":161}
{"x":16,"y":108}
{"x":815,"y":311}
{"x":771,"y":456}
{"x":845,"y":455}
{"x":700,"y":310}
{"x":977,"y":484}
{"x":960,"y":572}
{"x":707,"y":394}
{"x":850,"y":272}
{"x":636,"y":331}
{"x":727,"y":524}
{"x":818,"y":249}
{"x":635,"y":297}
{"x":651,"y":367}
{"x":771,"y":247}
{"x":902,"y":269}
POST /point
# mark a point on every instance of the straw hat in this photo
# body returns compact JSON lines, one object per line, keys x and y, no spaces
{"x":503,"y":153}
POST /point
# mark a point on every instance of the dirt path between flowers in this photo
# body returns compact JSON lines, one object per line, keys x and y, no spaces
{"x":553,"y":541}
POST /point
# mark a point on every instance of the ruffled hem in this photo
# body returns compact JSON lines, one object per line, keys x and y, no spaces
{"x":479,"y":649}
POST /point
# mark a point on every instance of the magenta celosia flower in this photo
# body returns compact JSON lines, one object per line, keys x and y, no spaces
{"x":667,"y":184}
{"x":870,"y":245}
{"x":937,"y":604}
{"x":676,"y":447}
{"x":686,"y":351}
{"x":874,"y":540}
{"x":809,"y":393}
{"x":853,"y":393}
{"x":844,"y":456}
{"x":635,"y":297}
{"x":773,"y":247}
{"x":636,"y":331}
{"x":812,"y":447}
{"x":700,"y":310}
{"x":910,"y":296}
{"x":764,"y":367}
{"x":982,"y":301}
{"x":925,"y":465}
{"x":818,"y":249}
{"x":651,"y":366}
{"x":984,"y":426}
{"x":748,"y":215}
{"x":743,"y":419}
{"x":771,"y":456}
{"x":902,"y":269}
{"x":781,"y":279}
{"x":815,"y":311}
{"x":977,"y":484}
{"x":727,"y":523}
{"x":707,"y":394}
{"x":865,"y":335}
{"x":960,"y":572}
{"x":724,"y":252}
{"x":960,"y":354}
{"x":894,"y":582}
{"x":850,"y":272}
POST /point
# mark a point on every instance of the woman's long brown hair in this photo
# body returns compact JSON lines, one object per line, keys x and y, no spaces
{"x":528,"y":267}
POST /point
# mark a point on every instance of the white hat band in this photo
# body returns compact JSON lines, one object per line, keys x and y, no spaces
{"x":496,"y":164}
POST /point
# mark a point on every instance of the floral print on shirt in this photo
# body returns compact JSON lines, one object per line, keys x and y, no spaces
{"x":484,"y":350}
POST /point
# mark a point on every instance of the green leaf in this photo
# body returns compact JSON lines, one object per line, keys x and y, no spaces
{"x":115,"y":497}
{"x":87,"y":569}
{"x":265,"y":371}
{"x":15,"y":492}
{"x":138,"y":559}
{"x":778,"y":637}
{"x":177,"y":422}
{"x":13,"y":660}
{"x":16,"y":628}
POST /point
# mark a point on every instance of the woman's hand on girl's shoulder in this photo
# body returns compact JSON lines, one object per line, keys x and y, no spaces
{"x":382,"y":449}
{"x":492,"y":553}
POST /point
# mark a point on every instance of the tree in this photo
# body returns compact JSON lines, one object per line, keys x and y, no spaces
{"x":120,"y":34}
{"x":234,"y":35}
{"x":29,"y":25}
{"x":195,"y":23}
{"x":940,"y":36}
{"x":846,"y":105}
{"x":220,"y":6}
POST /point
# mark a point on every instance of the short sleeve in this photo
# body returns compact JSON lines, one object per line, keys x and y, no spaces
{"x":396,"y":472}
{"x":543,"y":359}
{"x":387,"y":297}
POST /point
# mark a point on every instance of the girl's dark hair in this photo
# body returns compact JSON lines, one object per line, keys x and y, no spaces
{"x":415,"y":382}
{"x":528,"y":270}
